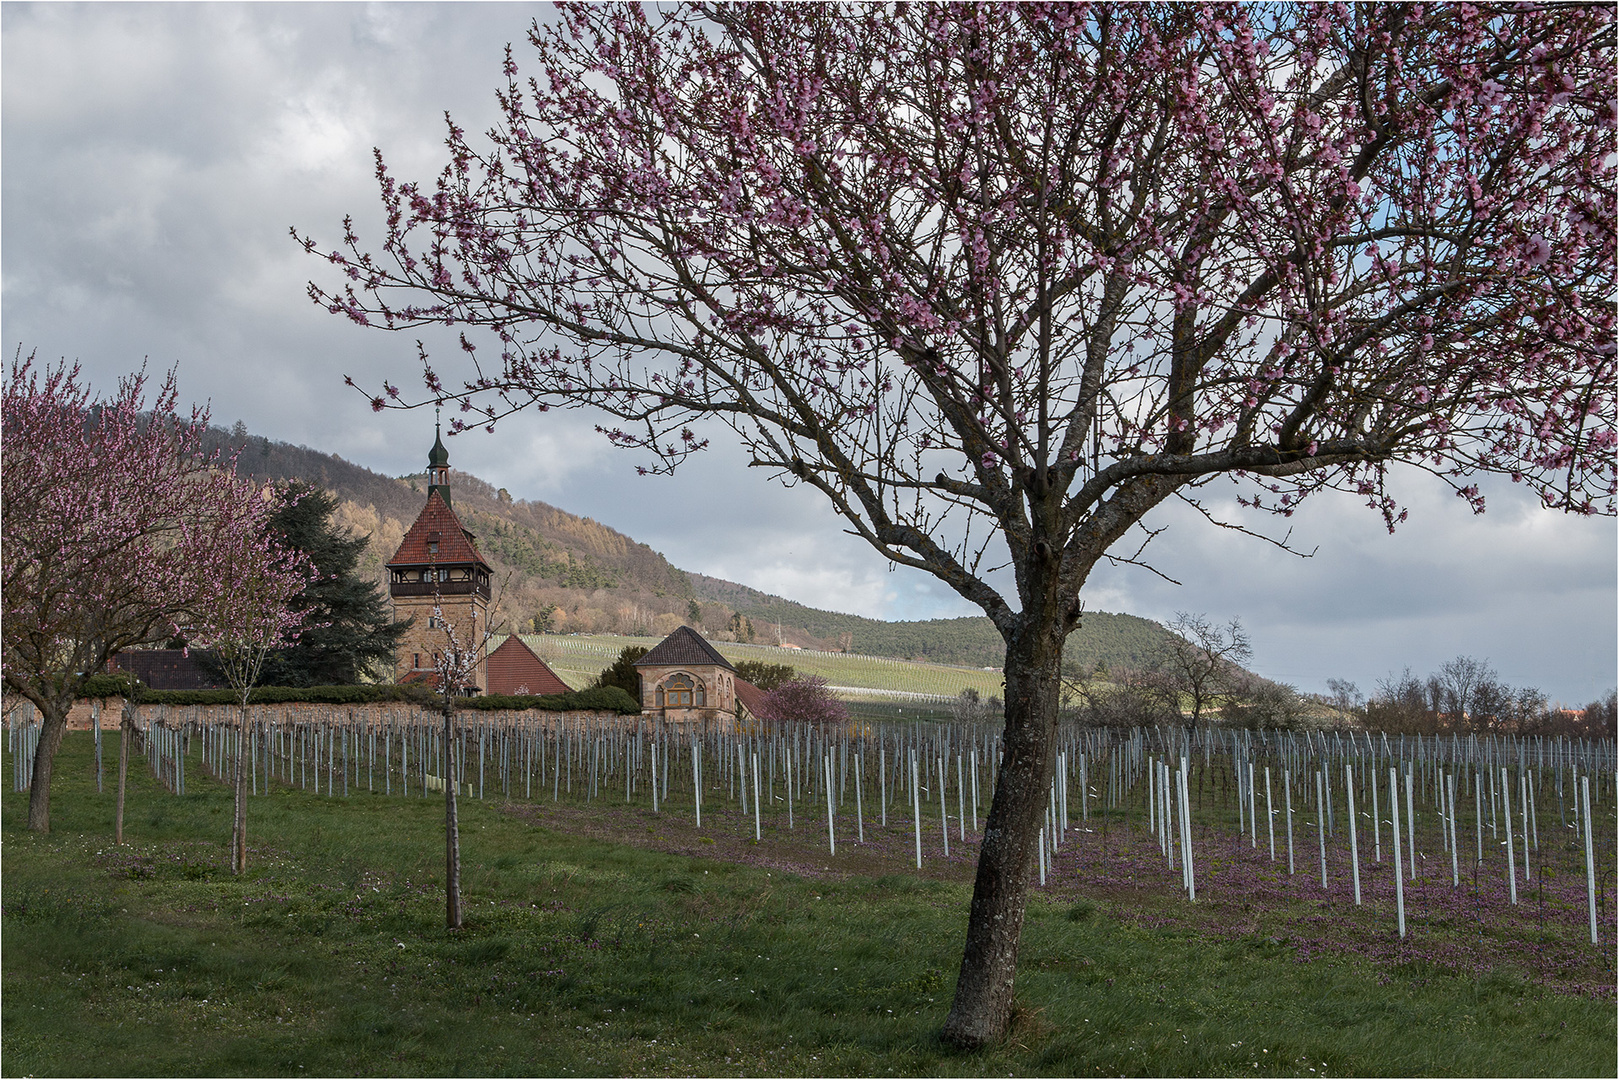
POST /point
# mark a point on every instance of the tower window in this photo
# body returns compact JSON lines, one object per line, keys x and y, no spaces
{"x":416,"y":661}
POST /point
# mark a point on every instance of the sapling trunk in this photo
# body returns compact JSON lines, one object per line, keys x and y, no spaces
{"x":916,"y":810}
{"x":1506,"y":819}
{"x":859,"y":799}
{"x":882,"y":777}
{"x":125,"y":725}
{"x":1253,"y":828}
{"x":961,"y":799}
{"x":975,"y":790}
{"x":827,"y":777}
{"x":1377,"y":826}
{"x":1523,"y":799}
{"x":239,"y":826}
{"x":1399,"y":872}
{"x":1186,"y":834}
{"x":1456,"y":867}
{"x":95,"y":724}
{"x":452,"y":824}
{"x":1287,"y":790}
{"x":1321,"y":821}
{"x":1270,"y":816}
{"x":1411,"y":822}
{"x":1354,"y":842}
{"x":1583,"y":795}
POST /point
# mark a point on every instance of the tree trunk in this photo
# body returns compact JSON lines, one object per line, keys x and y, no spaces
{"x":982,"y":1009}
{"x":238,"y":836}
{"x":452,"y":830}
{"x":125,"y":732}
{"x":53,"y":724}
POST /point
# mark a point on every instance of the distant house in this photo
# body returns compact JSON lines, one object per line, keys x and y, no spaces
{"x":514,"y":668}
{"x":685,"y":680}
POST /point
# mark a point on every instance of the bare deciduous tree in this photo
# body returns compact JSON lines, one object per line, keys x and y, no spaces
{"x":1204,"y":665}
{"x":1346,"y":696}
{"x":1459,"y":682}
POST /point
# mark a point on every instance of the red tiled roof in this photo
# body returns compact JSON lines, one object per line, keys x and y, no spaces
{"x":437,"y":522}
{"x":683,"y":648}
{"x":514,"y":668}
{"x":750,"y":697}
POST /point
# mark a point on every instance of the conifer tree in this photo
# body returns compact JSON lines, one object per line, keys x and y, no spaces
{"x":622,"y":673}
{"x":352,"y":634}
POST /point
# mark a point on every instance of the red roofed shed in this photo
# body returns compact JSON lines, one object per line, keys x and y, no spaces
{"x":514,"y":668}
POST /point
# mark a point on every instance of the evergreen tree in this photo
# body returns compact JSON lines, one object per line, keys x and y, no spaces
{"x":765,"y":676}
{"x":622,"y":673}
{"x":351,"y":634}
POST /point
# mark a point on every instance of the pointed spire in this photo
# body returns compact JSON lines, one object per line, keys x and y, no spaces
{"x":438,"y":462}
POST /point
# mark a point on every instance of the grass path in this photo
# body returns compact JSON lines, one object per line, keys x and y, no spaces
{"x":602,"y":940}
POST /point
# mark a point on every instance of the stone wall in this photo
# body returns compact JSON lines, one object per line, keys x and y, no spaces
{"x":110,"y":710}
{"x":366,"y":715}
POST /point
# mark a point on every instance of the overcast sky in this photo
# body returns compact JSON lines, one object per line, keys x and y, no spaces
{"x":154,"y":157}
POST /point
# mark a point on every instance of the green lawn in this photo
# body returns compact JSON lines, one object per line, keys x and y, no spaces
{"x":589,"y":952}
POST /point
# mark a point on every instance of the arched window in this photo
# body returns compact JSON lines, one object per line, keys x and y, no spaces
{"x":681,"y":691}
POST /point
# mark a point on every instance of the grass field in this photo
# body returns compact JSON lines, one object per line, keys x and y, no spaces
{"x":602,"y":939}
{"x":578,"y":660}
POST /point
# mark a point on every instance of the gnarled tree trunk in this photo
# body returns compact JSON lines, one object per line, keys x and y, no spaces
{"x":53,"y":725}
{"x":982,"y":1008}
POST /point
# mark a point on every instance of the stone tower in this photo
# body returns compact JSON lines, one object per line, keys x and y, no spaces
{"x":439,"y":581}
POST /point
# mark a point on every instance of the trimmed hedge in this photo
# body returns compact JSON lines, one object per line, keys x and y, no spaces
{"x":608,"y":699}
{"x":277,"y":695}
{"x":119,"y":684}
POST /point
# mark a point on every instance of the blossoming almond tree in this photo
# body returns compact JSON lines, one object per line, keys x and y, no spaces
{"x":113,"y":523}
{"x":804,"y":700}
{"x":249,"y":610}
{"x":998,"y":281}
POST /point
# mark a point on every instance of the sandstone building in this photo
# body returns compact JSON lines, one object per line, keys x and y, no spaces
{"x":684,"y":679}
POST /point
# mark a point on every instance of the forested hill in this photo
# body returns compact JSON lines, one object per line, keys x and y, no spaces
{"x":539,"y":543}
{"x":1119,"y":641}
{"x":563,"y":573}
